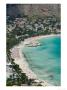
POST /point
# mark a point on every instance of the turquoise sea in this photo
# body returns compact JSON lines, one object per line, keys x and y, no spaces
{"x":45,"y":60}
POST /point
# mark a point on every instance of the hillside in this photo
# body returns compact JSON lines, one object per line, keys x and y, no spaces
{"x":33,"y":9}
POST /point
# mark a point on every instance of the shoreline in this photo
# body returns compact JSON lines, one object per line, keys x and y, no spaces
{"x":17,"y":55}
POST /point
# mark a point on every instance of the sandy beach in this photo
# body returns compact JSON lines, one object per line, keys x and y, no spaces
{"x":16,"y":53}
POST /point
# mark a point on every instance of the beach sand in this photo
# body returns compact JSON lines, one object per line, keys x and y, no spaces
{"x":17,"y":55}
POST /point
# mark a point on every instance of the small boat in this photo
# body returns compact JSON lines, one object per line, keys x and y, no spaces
{"x":33,"y":44}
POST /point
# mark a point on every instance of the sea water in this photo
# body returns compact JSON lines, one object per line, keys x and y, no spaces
{"x":44,"y":60}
